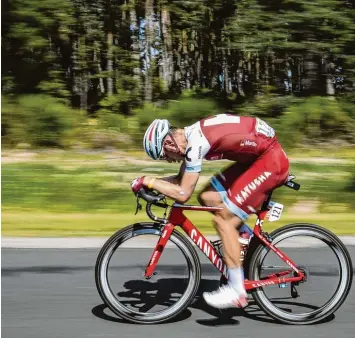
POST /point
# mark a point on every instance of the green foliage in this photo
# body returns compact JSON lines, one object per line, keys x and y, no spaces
{"x":297,"y":120}
{"x":98,"y":55}
{"x":126,"y":98}
{"x":316,"y":119}
{"x":186,"y":110}
{"x":189,"y":109}
{"x":46,"y":187}
{"x":115,"y":130}
{"x":38,"y":120}
{"x":72,"y":182}
{"x":12,"y":124}
{"x":147,"y":113}
{"x":267,"y":105}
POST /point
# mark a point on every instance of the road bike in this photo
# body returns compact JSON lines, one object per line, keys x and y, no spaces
{"x":146,"y":298}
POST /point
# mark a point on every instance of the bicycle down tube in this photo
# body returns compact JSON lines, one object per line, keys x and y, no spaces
{"x":177,"y":218}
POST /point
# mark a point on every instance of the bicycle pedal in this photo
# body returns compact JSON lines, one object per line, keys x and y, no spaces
{"x":294,"y":292}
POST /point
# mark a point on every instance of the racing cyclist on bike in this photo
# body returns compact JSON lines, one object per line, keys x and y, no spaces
{"x":260,"y":165}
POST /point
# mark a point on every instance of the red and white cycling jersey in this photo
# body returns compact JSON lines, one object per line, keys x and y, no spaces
{"x":230,"y":137}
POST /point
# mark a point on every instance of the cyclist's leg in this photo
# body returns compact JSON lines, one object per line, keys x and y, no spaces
{"x":242,"y":197}
{"x":226,"y":223}
{"x":209,"y":196}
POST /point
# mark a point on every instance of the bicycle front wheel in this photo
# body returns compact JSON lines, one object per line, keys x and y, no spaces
{"x":120,"y":280}
{"x":321,"y":256}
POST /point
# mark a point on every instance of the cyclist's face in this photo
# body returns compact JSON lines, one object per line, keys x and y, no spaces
{"x":171,"y":150}
{"x":171,"y":156}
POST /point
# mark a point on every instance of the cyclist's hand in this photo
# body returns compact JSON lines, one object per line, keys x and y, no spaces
{"x":136,"y":184}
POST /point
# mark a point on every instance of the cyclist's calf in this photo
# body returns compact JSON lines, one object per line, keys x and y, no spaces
{"x":226,"y":224}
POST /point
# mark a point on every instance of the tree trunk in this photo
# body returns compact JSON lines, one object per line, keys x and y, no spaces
{"x":240,"y":78}
{"x":168,"y":66}
{"x":135,"y":43}
{"x":198,"y":70}
{"x":109,"y":63}
{"x":329,"y":74}
{"x":84,"y":91}
{"x":299,"y":73}
{"x":99,"y":69}
{"x":225,"y":72}
{"x":184,"y":61}
{"x":266,"y":69}
{"x":82,"y":70}
{"x":149,"y":36}
{"x":257,"y":72}
{"x":257,"y":68}
{"x":310,"y":80}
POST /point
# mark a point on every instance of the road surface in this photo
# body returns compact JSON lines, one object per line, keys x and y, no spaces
{"x":48,"y":293}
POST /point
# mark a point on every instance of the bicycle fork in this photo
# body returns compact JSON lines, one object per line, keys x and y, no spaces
{"x":158,"y":250}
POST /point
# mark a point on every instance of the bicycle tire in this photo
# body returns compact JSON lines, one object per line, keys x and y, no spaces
{"x":101,"y":269}
{"x":332,"y":304}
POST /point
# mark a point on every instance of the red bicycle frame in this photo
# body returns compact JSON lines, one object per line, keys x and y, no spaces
{"x":177,"y":218}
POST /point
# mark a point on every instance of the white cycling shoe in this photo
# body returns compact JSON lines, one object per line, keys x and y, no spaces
{"x":225,"y":297}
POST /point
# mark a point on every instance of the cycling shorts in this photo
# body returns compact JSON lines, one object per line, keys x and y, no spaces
{"x":244,"y":187}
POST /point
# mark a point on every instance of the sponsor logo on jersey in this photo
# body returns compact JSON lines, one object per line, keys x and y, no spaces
{"x":214,"y":157}
{"x":199,"y":152}
{"x":186,"y":154}
{"x":247,"y":143}
{"x":250,"y":187}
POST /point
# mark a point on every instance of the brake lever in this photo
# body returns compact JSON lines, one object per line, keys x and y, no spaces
{"x":138,"y":207}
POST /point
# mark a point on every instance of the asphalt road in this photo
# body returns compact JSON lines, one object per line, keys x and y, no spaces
{"x":51,"y":293}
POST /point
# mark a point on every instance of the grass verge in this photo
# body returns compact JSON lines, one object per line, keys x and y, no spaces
{"x":45,"y":224}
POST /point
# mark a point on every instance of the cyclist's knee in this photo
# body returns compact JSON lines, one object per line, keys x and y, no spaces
{"x":201,"y":198}
{"x":220,"y":223}
{"x":209,"y":198}
{"x":224,"y":218}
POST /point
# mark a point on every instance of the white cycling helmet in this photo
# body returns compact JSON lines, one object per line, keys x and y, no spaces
{"x":154,"y":136}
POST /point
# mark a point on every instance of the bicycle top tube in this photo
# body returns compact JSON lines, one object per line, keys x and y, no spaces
{"x":195,"y":207}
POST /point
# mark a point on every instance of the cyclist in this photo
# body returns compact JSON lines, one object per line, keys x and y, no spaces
{"x":260,"y":165}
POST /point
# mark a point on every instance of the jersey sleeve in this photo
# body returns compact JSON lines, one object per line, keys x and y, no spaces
{"x":197,"y":148}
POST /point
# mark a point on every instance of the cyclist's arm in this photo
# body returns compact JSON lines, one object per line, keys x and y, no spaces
{"x":178,"y":192}
{"x":176,"y":179}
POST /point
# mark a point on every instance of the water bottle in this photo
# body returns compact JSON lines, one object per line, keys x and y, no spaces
{"x":245,"y":234}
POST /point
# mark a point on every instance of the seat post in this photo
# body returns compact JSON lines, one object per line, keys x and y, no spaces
{"x":266,"y":202}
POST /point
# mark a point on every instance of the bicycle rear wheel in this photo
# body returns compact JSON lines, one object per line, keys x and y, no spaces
{"x":327,"y":266}
{"x":119,"y":274}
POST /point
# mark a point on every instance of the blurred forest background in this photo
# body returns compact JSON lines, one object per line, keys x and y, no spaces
{"x":82,"y":79}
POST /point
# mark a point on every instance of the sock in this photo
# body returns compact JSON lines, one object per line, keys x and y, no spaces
{"x":236,"y":279}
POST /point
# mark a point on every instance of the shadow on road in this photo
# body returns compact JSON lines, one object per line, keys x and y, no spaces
{"x":142,"y":296}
